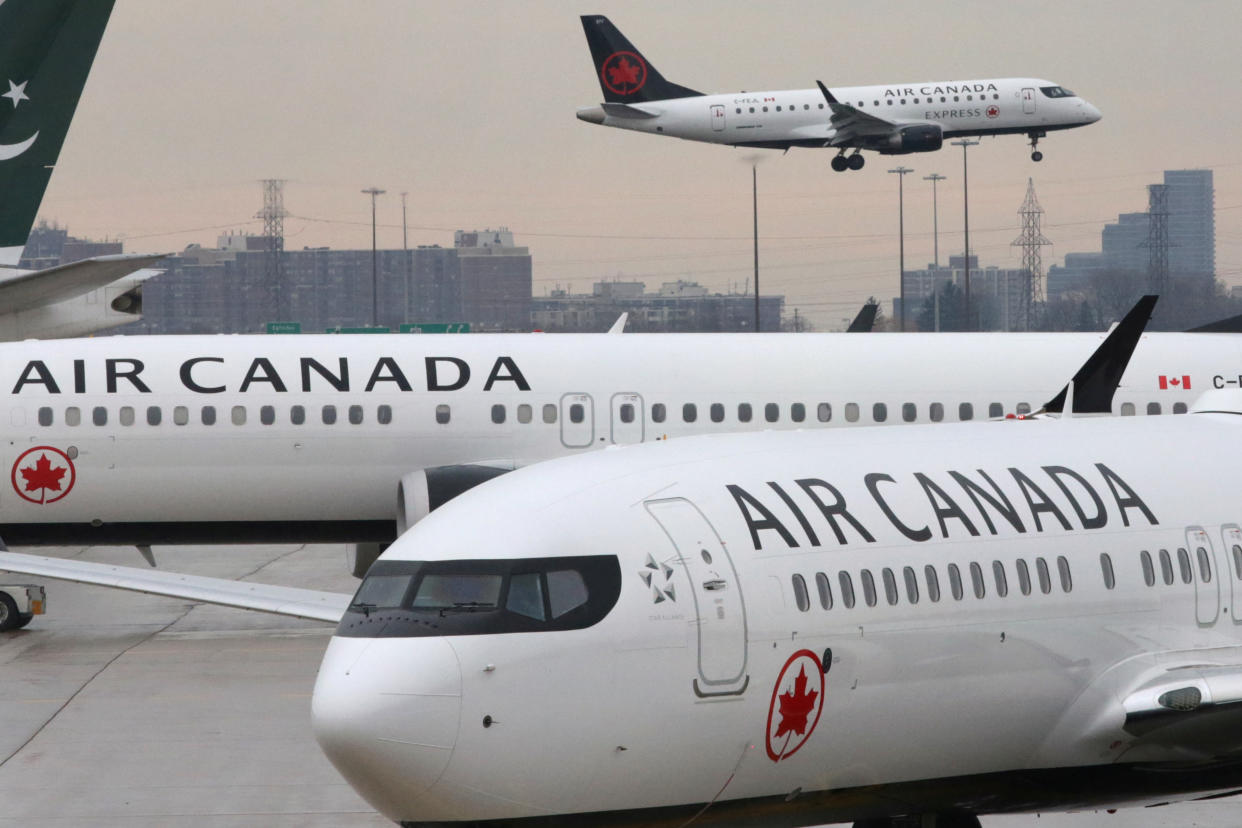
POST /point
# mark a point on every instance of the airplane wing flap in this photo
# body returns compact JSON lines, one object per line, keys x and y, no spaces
{"x":290,"y":601}
{"x":29,"y":289}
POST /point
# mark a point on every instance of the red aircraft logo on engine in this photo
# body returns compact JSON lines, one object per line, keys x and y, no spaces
{"x":797,"y":701}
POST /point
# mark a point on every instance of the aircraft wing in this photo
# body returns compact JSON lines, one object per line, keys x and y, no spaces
{"x":298,"y":603}
{"x":1196,"y":708}
{"x":25,"y":289}
{"x":851,"y":123}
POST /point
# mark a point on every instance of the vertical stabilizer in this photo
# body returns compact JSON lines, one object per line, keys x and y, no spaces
{"x":625,"y":76}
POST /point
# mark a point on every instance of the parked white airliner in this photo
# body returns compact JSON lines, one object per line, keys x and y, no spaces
{"x":890,"y":119}
{"x":192,"y":439}
{"x":895,"y":627}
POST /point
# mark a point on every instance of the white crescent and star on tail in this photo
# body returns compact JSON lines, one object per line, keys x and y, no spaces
{"x":17,"y":94}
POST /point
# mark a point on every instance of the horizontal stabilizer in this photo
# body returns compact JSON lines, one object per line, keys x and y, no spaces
{"x":25,"y":289}
{"x":1098,"y":378}
{"x":298,"y":603}
{"x":620,"y":110}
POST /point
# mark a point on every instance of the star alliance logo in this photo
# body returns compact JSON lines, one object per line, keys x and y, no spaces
{"x":16,"y":93}
{"x":659,"y":593}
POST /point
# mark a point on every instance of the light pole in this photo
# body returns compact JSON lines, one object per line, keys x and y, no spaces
{"x":754,"y":199}
{"x":964,"y":143}
{"x":901,"y":235}
{"x":933,"y":178}
{"x":374,"y":192}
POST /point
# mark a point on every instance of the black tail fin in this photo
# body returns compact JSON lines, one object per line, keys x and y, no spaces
{"x":624,"y":74}
{"x":1098,"y":378}
{"x":46,"y":51}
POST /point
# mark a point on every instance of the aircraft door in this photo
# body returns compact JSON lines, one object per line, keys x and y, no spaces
{"x":1028,"y":101}
{"x":717,"y":595}
{"x":577,"y":421}
{"x":1231,"y":548}
{"x":718,"y":118}
{"x":627,"y":419}
{"x":1206,"y":576}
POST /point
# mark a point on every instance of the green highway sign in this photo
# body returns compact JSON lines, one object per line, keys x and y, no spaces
{"x":339,"y":330}
{"x":284,"y":327}
{"x":436,"y":327}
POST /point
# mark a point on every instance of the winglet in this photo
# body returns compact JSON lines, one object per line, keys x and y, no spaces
{"x":1098,"y":378}
{"x":865,"y":320}
{"x":828,"y":96}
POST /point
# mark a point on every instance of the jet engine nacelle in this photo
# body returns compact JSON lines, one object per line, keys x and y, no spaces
{"x":914,"y":138}
{"x":420,"y":492}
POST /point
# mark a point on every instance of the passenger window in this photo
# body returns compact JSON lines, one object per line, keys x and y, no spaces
{"x":851,"y":412}
{"x":955,"y":582}
{"x":45,"y":416}
{"x":498,"y":414}
{"x":239,"y":414}
{"x":577,"y":413}
{"x":935,"y":412}
{"x":525,"y":413}
{"x":1183,"y":563}
{"x":998,"y":575}
{"x":626,"y":412}
{"x":181,"y":415}
{"x":566,"y":591}
{"x":1127,"y":409}
{"x":847,"y":589}
{"x":73,"y":416}
{"x":717,"y":412}
{"x":965,"y":411}
{"x":1106,"y":564}
{"x":658,"y":413}
{"x":154,"y":415}
{"x":909,"y":412}
{"x":549,"y":413}
{"x":208,"y":415}
{"x":526,"y":595}
{"x":824,"y":412}
{"x":1153,"y":408}
{"x":267,"y":414}
{"x":879,"y":412}
{"x":1149,"y":571}
{"x":1063,"y":568}
{"x":868,"y":583}
{"x":933,"y":583}
{"x":442,"y":414}
{"x":996,"y":410}
{"x":1024,"y":577}
{"x":126,"y":415}
{"x":797,"y":412}
{"x":976,"y":580}
{"x":1045,"y":578}
{"x":99,"y":415}
{"x":912,"y":584}
{"x":383,"y":414}
{"x":1166,"y":567}
{"x":744,"y":413}
{"x":1205,"y":565}
{"x":328,"y":414}
{"x":771,"y":412}
{"x":890,"y":586}
{"x":1024,"y":408}
{"x":825,"y":589}
{"x":297,"y":414}
{"x":355,"y":415}
{"x":1179,"y":408}
{"x":689,"y":413}
{"x":801,"y":597}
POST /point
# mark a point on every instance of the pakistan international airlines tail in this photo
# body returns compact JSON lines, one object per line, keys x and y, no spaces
{"x":46,"y":51}
{"x":891,"y":119}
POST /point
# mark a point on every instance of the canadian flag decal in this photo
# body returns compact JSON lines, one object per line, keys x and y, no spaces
{"x":1182,"y":382}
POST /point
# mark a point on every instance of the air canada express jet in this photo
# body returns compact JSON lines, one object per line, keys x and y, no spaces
{"x":895,"y":627}
{"x":891,"y":119}
{"x":232,"y":439}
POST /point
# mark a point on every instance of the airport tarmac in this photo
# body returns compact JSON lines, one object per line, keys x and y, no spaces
{"x":119,"y":709}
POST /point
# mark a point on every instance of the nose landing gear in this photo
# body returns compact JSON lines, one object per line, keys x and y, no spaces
{"x":841,"y":162}
{"x":1036,"y":155}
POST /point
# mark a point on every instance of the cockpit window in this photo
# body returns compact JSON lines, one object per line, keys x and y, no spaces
{"x":402,"y":599}
{"x":1056,"y":91}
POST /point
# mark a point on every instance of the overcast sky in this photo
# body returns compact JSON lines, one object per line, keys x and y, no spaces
{"x":469,"y":107}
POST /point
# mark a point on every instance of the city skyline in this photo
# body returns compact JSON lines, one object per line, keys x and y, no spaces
{"x":188,"y":125}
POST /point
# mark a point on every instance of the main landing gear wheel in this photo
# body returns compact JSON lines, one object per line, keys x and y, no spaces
{"x":840,"y":163}
{"x":856,"y":161}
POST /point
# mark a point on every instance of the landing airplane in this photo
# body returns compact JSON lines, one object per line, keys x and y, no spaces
{"x":46,"y":51}
{"x":892,"y":119}
{"x":910,"y":627}
{"x":243,"y":439}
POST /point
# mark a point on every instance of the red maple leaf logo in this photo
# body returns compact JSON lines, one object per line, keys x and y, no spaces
{"x":796,"y":706}
{"x":42,"y":475}
{"x":623,"y":72}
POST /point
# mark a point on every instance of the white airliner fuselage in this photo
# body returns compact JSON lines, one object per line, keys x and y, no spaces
{"x":327,"y":438}
{"x":799,"y":628}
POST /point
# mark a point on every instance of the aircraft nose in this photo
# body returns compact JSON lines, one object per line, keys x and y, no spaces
{"x":591,"y":114}
{"x":1091,"y":112}
{"x":386,"y":711}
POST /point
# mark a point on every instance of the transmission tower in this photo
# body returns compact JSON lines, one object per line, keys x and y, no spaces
{"x":273,"y":215}
{"x":1030,"y":241}
{"x":1157,"y":243}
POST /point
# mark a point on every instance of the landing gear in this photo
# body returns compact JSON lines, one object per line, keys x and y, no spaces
{"x":1036,"y":155}
{"x":856,"y":160}
{"x":841,"y":162}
